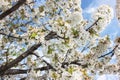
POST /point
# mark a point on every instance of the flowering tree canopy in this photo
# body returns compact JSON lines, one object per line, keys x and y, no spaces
{"x":52,"y":41}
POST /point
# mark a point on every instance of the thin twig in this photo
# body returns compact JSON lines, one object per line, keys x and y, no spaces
{"x":53,"y":35}
{"x":93,"y":24}
{"x":85,"y":47}
{"x":24,"y":71}
{"x":109,"y":52}
{"x":12,"y":9}
{"x":10,"y":36}
{"x":30,"y":51}
{"x":76,"y":62}
{"x":50,"y":66}
{"x":67,"y":55}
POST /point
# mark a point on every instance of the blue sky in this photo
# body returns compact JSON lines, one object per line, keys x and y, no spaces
{"x":86,"y":3}
{"x":113,"y":29}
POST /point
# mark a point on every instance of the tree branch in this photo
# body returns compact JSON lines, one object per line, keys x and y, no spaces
{"x":76,"y":62}
{"x":109,"y":52}
{"x":48,"y":67}
{"x":12,"y":9}
{"x":69,"y":50}
{"x":4,"y":68}
{"x":93,"y":24}
{"x":85,"y":47}
{"x":24,"y":71}
{"x":10,"y":36}
{"x":53,"y":35}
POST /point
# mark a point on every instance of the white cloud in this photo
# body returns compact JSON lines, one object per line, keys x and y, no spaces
{"x":108,"y":77}
{"x":89,"y":10}
{"x":97,"y":3}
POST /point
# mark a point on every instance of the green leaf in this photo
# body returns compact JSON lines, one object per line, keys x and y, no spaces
{"x":23,"y":49}
{"x":14,"y":54}
{"x":54,"y":75}
{"x":55,"y":59}
{"x":41,"y":8}
{"x":33,"y":35}
{"x":71,"y":70}
{"x":50,"y":50}
{"x":22,"y":13}
{"x":60,"y":22}
{"x":75,"y":32}
{"x":108,"y":38}
{"x":93,"y":32}
{"x":66,"y":42}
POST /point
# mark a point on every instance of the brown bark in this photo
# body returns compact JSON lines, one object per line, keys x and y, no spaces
{"x":93,"y":24}
{"x":48,"y":67}
{"x":23,"y":71}
{"x":12,"y":9}
{"x":30,"y":51}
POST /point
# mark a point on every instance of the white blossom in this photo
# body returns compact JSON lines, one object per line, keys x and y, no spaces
{"x":63,"y":51}
{"x":33,"y":75}
{"x":77,"y":75}
{"x":75,"y":18}
{"x":105,"y":13}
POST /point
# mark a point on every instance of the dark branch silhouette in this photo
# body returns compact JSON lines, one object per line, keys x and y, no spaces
{"x":24,"y":71}
{"x":48,"y":67}
{"x":10,"y":36}
{"x":66,"y":56}
{"x":5,"y":69}
{"x":76,"y":62}
{"x":12,"y":9}
{"x":11,"y":64}
{"x":53,"y":35}
{"x":93,"y":24}
{"x":111,"y":52}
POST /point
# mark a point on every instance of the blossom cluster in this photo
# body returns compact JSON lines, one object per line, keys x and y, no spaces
{"x":61,"y":28}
